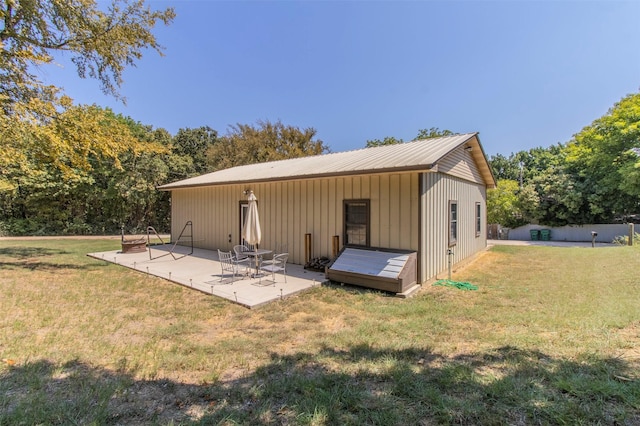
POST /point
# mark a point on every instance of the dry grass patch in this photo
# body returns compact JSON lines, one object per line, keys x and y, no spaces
{"x":550,"y":337}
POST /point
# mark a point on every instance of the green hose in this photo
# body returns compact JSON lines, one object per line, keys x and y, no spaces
{"x":456,"y":284}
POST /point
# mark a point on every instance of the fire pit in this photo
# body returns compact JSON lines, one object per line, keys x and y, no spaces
{"x":135,"y":245}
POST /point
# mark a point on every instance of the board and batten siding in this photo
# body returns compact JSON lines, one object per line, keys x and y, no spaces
{"x":460,"y":163}
{"x":290,"y":209}
{"x":437,"y":189}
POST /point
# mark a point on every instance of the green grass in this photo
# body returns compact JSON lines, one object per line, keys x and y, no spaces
{"x":552,"y":336}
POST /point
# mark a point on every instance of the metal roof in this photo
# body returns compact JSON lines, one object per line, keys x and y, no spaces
{"x":416,"y":155}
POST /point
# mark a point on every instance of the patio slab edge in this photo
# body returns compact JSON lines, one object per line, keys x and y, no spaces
{"x":195,"y":272}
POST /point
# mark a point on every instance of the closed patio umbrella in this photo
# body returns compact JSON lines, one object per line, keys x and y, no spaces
{"x":251,"y":230}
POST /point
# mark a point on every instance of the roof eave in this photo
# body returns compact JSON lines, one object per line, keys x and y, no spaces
{"x":416,"y":168}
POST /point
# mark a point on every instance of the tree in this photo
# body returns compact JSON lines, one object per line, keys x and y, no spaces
{"x":388,"y":140}
{"x":52,"y":196}
{"x":561,"y":198}
{"x":604,"y":156}
{"x":246,"y":144}
{"x":503,"y":204}
{"x":505,"y":168}
{"x":101,"y":44}
{"x":195,"y":144}
{"x":433,"y":132}
{"x":526,"y":165}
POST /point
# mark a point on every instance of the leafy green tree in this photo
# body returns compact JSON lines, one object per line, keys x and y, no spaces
{"x":503,"y":204}
{"x":101,"y":44}
{"x":388,"y":140}
{"x":433,"y":132}
{"x":248,"y":144}
{"x":42,"y":197}
{"x":505,"y":168}
{"x":555,"y":199}
{"x":604,"y":156}
{"x":526,"y":165}
{"x":195,"y":143}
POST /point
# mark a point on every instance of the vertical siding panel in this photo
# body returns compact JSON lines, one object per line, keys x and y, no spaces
{"x":405,"y":212}
{"x":375,"y":210}
{"x":315,"y":227}
{"x":394,"y":211}
{"x":339,"y":214}
{"x":218,"y":230}
{"x":385,"y":202}
{"x":290,"y":224}
{"x":357,"y":193}
{"x":293,"y":245}
{"x":414,"y":207}
{"x":323,"y":213}
{"x":203,"y":222}
{"x":331,"y":213}
{"x":279,"y":219}
{"x":348,"y":188}
{"x":365,"y":187}
{"x":302,"y":221}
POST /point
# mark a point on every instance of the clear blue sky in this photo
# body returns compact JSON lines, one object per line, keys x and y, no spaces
{"x":522,"y":73}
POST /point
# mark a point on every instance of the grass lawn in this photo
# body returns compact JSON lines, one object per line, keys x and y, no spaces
{"x":552,"y":336}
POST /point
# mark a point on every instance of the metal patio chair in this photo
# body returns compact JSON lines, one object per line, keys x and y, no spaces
{"x":278,"y":250}
{"x":277,"y":264}
{"x":230,"y":265}
{"x":240,"y":255}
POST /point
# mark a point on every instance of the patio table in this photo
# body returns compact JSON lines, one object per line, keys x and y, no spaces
{"x":257,"y":254}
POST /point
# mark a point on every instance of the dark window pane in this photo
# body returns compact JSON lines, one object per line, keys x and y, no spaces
{"x":356,"y":217}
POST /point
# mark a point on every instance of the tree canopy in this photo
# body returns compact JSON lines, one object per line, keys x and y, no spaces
{"x":249,"y":144}
{"x":34,"y":116}
{"x":102,"y":42}
{"x":593,"y":178}
{"x":431,"y":133}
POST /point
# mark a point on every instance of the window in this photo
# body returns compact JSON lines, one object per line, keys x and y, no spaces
{"x":356,"y":223}
{"x":453,"y":222}
{"x":478,"y":220}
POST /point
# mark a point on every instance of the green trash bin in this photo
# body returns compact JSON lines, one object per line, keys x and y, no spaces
{"x":545,"y":234}
{"x":534,"y":234}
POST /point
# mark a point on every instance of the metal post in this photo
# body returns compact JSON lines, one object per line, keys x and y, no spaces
{"x":450,"y":253}
{"x":631,"y":234}
{"x":307,"y":248}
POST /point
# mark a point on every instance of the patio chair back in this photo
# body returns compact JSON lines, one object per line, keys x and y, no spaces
{"x":229,"y":265}
{"x":277,"y":264}
{"x":239,"y":251}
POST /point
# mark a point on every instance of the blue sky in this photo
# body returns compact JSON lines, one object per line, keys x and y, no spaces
{"x":522,"y":73}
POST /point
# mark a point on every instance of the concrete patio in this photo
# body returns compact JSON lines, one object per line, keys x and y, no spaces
{"x":202,"y":271}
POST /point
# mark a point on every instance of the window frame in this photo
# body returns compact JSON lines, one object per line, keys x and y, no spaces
{"x":453,"y":222}
{"x":345,"y":223}
{"x":478,"y":219}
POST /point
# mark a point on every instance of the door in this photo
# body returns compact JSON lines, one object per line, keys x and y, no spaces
{"x":244,"y":210}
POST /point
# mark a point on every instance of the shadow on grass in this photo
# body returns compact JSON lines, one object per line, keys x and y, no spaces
{"x":358,"y":386}
{"x":28,"y":252}
{"x":36,"y":258}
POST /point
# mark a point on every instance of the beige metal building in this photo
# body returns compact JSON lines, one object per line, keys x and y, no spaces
{"x":426,"y":196}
